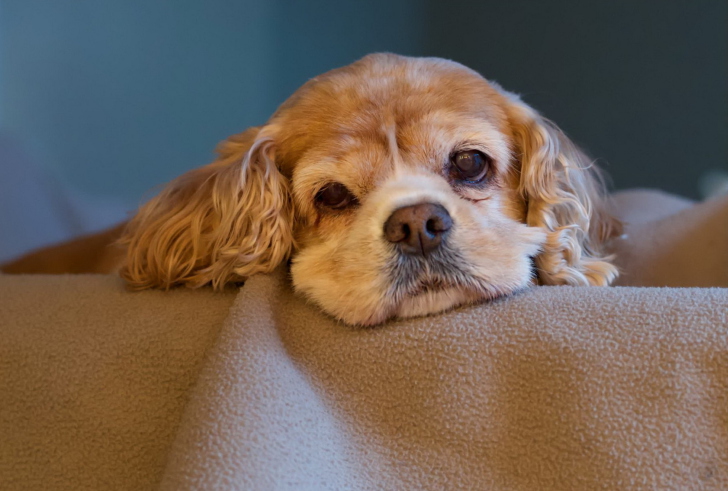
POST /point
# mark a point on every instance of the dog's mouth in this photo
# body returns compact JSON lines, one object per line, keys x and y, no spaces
{"x":429,"y":285}
{"x":413,"y":276}
{"x":434,"y":295}
{"x":432,"y":284}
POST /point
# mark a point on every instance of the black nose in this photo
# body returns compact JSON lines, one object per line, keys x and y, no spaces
{"x":418,"y":229}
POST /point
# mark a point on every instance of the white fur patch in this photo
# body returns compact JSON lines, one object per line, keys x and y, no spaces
{"x":352,"y":276}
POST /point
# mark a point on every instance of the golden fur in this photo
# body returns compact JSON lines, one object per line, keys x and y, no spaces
{"x":385,"y":128}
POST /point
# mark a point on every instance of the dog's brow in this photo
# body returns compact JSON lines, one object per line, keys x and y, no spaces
{"x":390,"y":130}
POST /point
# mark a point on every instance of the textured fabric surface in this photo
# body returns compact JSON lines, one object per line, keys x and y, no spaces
{"x":670,"y":241}
{"x":554,"y":388}
{"x":94,"y":379}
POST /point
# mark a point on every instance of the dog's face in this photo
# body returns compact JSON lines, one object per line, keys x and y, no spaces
{"x":398,"y":187}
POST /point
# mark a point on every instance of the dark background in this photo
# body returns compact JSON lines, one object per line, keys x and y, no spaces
{"x":107,"y":99}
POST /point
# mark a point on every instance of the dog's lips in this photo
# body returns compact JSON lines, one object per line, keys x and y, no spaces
{"x":435,"y":296}
{"x":429,"y":285}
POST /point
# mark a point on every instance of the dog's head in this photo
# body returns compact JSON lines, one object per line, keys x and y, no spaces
{"x":397,"y":186}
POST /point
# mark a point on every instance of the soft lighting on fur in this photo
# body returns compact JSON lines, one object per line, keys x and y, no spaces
{"x":383,"y":129}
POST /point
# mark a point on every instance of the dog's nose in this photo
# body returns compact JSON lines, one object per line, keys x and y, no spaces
{"x":418,"y":229}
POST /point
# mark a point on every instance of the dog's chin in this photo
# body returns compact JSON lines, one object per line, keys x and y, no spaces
{"x":427,"y":300}
{"x":408,"y":288}
{"x":423,"y":298}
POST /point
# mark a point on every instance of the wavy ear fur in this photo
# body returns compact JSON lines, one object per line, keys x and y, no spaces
{"x":564,"y":193}
{"x":217,"y":224}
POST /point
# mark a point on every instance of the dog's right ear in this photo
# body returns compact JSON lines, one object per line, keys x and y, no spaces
{"x":217,"y":224}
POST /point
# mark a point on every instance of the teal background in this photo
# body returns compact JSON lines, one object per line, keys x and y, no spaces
{"x":104,"y":100}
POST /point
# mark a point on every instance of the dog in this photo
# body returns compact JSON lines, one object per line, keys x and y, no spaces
{"x":396,"y":187}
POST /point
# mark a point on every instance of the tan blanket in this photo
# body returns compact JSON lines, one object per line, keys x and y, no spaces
{"x":554,"y":388}
{"x":94,"y":380}
{"x":671,"y":242}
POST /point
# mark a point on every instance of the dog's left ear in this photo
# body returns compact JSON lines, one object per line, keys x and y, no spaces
{"x":564,"y":193}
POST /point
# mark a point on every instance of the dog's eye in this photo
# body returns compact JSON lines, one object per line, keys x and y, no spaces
{"x":335,"y":195}
{"x":469,"y":165}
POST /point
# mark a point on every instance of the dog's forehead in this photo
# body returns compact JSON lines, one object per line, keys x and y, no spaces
{"x":358,"y":106}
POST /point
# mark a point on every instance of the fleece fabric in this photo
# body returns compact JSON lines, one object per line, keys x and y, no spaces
{"x":553,"y":388}
{"x":684,"y":245}
{"x":94,"y":379}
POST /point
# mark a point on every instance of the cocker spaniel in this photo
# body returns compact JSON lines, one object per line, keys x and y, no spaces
{"x":396,"y":186}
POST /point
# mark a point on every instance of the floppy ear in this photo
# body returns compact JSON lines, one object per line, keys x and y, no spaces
{"x":564,"y":193}
{"x":216,"y":224}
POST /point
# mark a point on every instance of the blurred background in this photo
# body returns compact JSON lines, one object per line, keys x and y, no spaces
{"x":101,"y":102}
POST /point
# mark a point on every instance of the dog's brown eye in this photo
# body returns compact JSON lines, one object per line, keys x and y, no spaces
{"x":335,"y":195}
{"x":469,"y":165}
